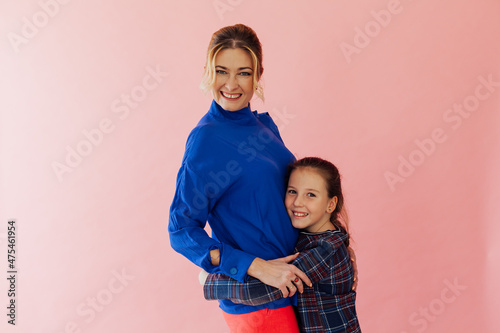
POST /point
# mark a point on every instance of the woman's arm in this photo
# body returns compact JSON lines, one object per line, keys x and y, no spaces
{"x":189,"y":213}
{"x":252,"y":292}
{"x":278,"y":273}
{"x":315,"y":262}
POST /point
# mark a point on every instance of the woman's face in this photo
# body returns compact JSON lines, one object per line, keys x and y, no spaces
{"x":233,"y":87}
{"x":307,"y":201}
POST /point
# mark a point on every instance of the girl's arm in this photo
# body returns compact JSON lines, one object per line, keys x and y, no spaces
{"x":315,"y":262}
{"x":277,"y":273}
{"x":252,"y":292}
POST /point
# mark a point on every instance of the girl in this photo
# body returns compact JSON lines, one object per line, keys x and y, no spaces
{"x":315,"y":204}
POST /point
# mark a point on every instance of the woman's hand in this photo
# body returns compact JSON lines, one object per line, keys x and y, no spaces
{"x":279,"y":274}
{"x":215,"y":257}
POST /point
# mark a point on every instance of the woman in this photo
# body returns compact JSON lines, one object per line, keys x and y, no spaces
{"x":233,"y":176}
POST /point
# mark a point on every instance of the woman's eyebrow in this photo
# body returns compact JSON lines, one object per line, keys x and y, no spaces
{"x":240,"y":69}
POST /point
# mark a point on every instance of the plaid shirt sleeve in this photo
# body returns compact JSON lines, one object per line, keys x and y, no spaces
{"x":253,"y":292}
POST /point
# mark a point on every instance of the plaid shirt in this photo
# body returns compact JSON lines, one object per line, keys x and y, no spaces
{"x":329,"y":306}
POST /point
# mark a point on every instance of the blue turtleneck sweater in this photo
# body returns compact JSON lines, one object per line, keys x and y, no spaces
{"x":233,"y":177}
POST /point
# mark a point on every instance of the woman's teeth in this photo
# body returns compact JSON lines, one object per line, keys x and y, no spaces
{"x":230,"y":95}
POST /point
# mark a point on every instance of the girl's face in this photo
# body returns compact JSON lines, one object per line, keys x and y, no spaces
{"x":307,"y":201}
{"x":233,"y":86}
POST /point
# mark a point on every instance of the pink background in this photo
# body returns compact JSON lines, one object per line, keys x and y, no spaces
{"x":370,"y":86}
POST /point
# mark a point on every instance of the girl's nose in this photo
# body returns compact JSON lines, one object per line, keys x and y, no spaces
{"x":298,"y":201}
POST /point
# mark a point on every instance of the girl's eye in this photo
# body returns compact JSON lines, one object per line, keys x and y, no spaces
{"x":220,"y":71}
{"x":311,"y":194}
{"x":291,"y":192}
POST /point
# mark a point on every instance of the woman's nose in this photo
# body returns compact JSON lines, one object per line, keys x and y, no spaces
{"x":232,"y":83}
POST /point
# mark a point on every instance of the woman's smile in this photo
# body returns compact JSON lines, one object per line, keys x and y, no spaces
{"x":232,"y":97}
{"x":233,"y":86}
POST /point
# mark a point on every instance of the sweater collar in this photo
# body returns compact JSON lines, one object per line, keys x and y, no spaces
{"x":242,"y":117}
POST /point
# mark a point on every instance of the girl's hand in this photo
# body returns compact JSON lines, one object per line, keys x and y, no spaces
{"x":203,"y":277}
{"x":279,"y":274}
{"x":354,"y":267}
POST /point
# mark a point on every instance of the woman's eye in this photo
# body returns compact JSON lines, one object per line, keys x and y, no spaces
{"x":245,"y":74}
{"x":220,"y":71}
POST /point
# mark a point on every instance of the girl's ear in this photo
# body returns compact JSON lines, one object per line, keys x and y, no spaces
{"x":332,"y":204}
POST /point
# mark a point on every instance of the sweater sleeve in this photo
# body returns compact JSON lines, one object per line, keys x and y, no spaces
{"x":188,"y":216}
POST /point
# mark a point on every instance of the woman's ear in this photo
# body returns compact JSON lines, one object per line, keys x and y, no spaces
{"x":332,"y":204}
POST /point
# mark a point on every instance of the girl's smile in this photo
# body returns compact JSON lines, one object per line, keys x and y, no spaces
{"x":307,"y":201}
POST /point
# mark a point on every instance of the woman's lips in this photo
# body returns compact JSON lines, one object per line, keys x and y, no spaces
{"x":231,"y":97}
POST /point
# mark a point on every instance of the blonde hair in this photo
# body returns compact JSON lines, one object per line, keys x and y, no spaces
{"x":234,"y":37}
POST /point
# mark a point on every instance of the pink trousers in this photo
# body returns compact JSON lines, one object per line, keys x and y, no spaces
{"x":263,"y":321}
